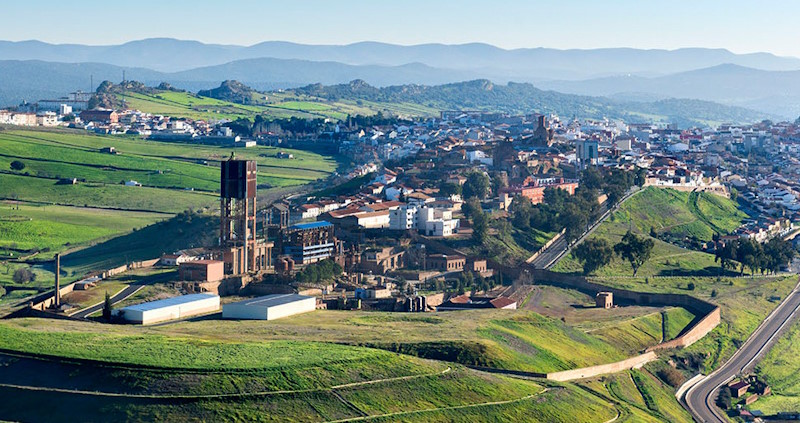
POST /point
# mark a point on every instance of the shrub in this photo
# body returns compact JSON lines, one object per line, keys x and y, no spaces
{"x":671,"y":375}
{"x":17,"y":165}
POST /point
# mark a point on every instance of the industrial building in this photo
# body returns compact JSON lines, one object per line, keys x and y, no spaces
{"x":242,"y":251}
{"x":201,"y":270}
{"x":269,"y":307}
{"x":170,"y":308}
{"x":309,"y":243}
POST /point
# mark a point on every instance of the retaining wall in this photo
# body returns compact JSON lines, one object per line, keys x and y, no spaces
{"x":628,"y":363}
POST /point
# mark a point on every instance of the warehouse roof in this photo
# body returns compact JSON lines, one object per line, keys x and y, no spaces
{"x":271,"y":300}
{"x":167,"y":302}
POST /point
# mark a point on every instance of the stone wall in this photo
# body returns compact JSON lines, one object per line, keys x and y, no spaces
{"x":592,"y":371}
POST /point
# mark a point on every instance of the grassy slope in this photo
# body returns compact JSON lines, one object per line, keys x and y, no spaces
{"x":781,"y":369}
{"x":664,"y":210}
{"x":504,"y":339}
{"x":433,"y":394}
{"x":667,"y":209}
{"x":182,"y":231}
{"x":58,"y":228}
{"x":278,"y":105}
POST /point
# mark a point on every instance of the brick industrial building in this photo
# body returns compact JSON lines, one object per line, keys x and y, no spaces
{"x":242,"y":251}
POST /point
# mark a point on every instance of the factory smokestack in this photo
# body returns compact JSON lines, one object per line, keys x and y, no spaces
{"x":57,"y":295}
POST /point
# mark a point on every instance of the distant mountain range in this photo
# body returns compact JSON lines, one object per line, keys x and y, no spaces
{"x":513,"y":97}
{"x":30,"y":70}
{"x":170,"y":55}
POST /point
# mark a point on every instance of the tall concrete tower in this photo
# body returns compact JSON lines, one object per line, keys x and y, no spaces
{"x":238,"y":214}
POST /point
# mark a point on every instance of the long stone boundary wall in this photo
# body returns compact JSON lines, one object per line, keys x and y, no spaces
{"x":704,"y":325}
{"x":628,"y":363}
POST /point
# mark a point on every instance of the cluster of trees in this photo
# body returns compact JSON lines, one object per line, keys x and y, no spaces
{"x":767,"y":257}
{"x":472,"y":282}
{"x":246,"y":128}
{"x":322,"y":271}
{"x":378,"y":119}
{"x":595,"y":253}
{"x":574,"y":213}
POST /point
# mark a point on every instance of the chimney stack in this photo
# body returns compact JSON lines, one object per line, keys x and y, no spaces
{"x":57,"y":295}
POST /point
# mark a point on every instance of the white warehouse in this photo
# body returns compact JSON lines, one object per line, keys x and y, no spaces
{"x":170,"y":308}
{"x":269,"y":307}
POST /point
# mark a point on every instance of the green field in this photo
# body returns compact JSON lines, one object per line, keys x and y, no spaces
{"x":58,"y":228}
{"x":681,"y":214}
{"x":666,"y":211}
{"x":41,"y":214}
{"x":280,"y":105}
{"x":640,"y":397}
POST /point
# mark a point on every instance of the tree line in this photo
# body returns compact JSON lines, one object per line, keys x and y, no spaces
{"x":749,"y":253}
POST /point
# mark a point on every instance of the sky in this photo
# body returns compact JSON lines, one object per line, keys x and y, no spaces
{"x":742,"y":26}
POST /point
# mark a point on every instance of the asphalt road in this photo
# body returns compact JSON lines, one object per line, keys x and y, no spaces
{"x":125,"y":293}
{"x":700,"y":399}
{"x":549,"y":257}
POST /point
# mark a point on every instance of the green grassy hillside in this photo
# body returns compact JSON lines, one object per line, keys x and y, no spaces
{"x":503,"y":339}
{"x":273,"y":105}
{"x":673,"y":215}
{"x":149,"y":376}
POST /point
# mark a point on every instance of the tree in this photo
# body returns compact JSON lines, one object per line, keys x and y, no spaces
{"x":725,"y":254}
{"x":23,"y":275}
{"x":748,"y":254}
{"x":477,"y":185}
{"x":480,"y":226}
{"x":107,"y":308}
{"x":636,"y":250}
{"x":575,"y":220}
{"x":593,"y":253}
{"x":521,"y":212}
{"x":724,"y":398}
{"x":471,"y":207}
{"x":17,"y":165}
{"x":446,"y":189}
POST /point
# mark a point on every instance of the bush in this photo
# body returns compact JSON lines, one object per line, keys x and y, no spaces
{"x":23,"y":275}
{"x":690,"y":286}
{"x":672,"y":376}
{"x":17,"y":165}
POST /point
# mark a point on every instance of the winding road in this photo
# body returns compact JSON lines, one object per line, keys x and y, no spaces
{"x":700,"y":398}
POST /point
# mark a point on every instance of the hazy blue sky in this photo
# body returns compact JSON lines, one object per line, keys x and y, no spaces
{"x":738,"y":25}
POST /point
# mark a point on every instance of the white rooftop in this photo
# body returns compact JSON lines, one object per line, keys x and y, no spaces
{"x":271,"y":300}
{"x":183,"y":299}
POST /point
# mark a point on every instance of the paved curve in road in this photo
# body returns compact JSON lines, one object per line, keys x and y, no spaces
{"x":700,"y":398}
{"x":125,"y":293}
